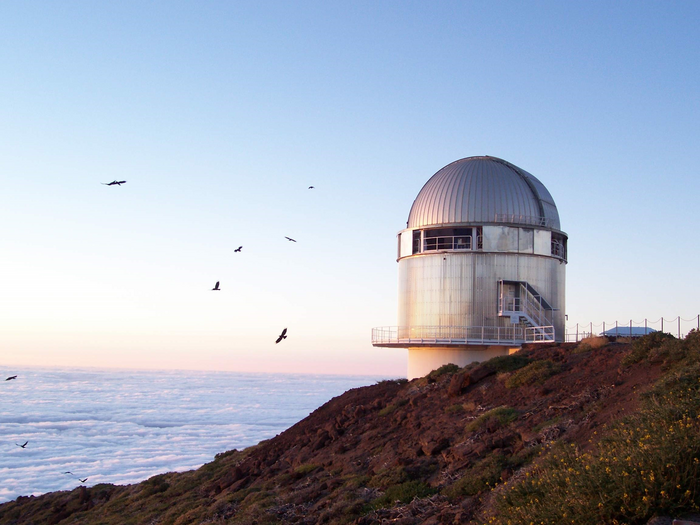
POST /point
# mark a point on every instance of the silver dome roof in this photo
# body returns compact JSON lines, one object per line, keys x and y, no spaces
{"x":483,"y":190}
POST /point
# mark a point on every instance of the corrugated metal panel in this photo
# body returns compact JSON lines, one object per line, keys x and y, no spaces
{"x":461,"y":289}
{"x":483,"y":190}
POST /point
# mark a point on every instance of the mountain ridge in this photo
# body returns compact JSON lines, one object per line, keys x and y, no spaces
{"x":450,"y":447}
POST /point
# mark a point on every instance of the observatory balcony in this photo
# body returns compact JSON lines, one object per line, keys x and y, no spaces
{"x":452,"y":242}
{"x":405,"y":336}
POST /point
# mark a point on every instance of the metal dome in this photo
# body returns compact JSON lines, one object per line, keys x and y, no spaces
{"x":483,"y":190}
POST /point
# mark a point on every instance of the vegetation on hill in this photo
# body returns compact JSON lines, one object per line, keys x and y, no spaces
{"x":585,"y":434}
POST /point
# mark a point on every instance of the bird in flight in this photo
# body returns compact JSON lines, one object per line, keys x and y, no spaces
{"x":11,"y":378}
{"x":238,"y":249}
{"x":311,"y":187}
{"x":283,"y":335}
{"x":114,"y":182}
{"x":22,"y":446}
{"x":290,"y":239}
{"x":216,"y":287}
{"x":76,"y":477}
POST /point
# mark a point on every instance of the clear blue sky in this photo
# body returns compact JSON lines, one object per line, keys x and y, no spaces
{"x":220,"y":115}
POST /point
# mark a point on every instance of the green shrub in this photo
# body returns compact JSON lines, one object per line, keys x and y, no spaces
{"x":392,"y":407}
{"x":155,"y":485}
{"x":388,"y":477}
{"x":306,"y":468}
{"x":647,"y":464}
{"x":642,"y":346}
{"x":398,"y":381}
{"x":222,"y":455}
{"x":356,"y":481}
{"x":486,"y":474}
{"x":444,"y":369}
{"x":669,"y":351}
{"x":482,"y":476}
{"x":692,"y":341}
{"x":507,"y":363}
{"x":404,"y":492}
{"x":536,"y":372}
{"x":500,"y":415}
{"x":454,"y":409}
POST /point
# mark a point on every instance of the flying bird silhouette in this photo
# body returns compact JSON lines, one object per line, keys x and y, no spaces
{"x":238,"y":249}
{"x":114,"y":182}
{"x":11,"y":378}
{"x":22,"y":446}
{"x":311,"y":187}
{"x":290,"y":239}
{"x":216,"y":287}
{"x":283,"y":335}
{"x":76,"y":477}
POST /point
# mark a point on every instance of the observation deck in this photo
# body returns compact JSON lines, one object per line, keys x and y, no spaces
{"x":458,"y":336}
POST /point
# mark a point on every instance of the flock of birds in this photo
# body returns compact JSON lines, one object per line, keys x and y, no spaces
{"x":216,"y":288}
{"x":24,"y":445}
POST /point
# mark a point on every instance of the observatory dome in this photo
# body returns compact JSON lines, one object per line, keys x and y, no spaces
{"x":483,"y":190}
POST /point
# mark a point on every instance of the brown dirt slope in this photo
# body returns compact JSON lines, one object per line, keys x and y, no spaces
{"x":425,"y":451}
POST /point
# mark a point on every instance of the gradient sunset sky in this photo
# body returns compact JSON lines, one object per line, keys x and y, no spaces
{"x":219,"y":115}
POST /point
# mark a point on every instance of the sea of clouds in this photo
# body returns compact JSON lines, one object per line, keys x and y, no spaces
{"x":119,"y":426}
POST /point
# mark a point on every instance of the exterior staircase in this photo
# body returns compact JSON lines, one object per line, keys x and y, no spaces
{"x":524,"y":305}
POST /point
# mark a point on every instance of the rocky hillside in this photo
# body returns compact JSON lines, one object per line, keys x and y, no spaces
{"x":519,"y":437}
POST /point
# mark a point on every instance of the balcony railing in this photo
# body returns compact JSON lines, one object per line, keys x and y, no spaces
{"x":456,"y":242}
{"x":459,"y":335}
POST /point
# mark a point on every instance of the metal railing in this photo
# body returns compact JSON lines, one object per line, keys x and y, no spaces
{"x":454,"y":242}
{"x":678,"y":327}
{"x":459,"y":335}
{"x":539,"y":334}
{"x":528,"y":304}
{"x":558,"y":249}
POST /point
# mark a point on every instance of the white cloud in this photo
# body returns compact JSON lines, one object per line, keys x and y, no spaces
{"x":125,"y":426}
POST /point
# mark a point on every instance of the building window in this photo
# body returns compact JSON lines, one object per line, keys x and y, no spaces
{"x":416,"y":241}
{"x":559,"y":245}
{"x":449,"y":239}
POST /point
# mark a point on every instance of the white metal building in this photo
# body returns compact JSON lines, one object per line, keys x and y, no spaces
{"x":481,"y":267}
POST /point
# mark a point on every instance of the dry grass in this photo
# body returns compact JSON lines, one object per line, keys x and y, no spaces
{"x":591,"y":343}
{"x":596,"y":341}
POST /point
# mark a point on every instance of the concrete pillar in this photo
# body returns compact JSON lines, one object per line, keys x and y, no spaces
{"x":423,"y":360}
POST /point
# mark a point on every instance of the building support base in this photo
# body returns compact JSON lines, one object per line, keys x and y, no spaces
{"x":425,"y":359}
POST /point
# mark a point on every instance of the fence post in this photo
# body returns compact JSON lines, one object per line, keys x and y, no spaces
{"x":603,"y":326}
{"x":615,"y":328}
{"x":591,"y":332}
{"x":679,"y":327}
{"x":577,"y":328}
{"x":630,"y":327}
{"x":662,"y":323}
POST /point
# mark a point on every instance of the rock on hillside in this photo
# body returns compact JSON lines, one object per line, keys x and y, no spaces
{"x":427,"y":451}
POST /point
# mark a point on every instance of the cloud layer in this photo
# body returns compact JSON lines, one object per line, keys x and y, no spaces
{"x":125,"y":426}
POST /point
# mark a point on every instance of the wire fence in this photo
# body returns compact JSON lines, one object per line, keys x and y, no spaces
{"x":678,"y":327}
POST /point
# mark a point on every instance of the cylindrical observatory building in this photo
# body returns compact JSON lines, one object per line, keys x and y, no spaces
{"x":481,"y":267}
